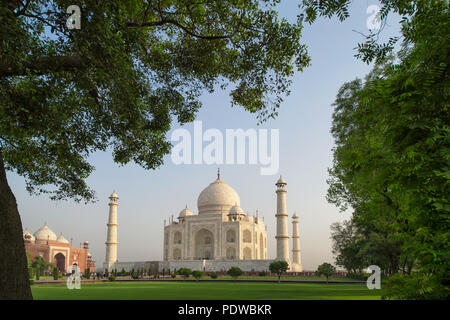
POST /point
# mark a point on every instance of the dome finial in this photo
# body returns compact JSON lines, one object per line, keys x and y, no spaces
{"x":218,"y":173}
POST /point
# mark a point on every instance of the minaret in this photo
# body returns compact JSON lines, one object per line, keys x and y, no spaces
{"x":111,"y":240}
{"x":295,"y":241}
{"x":282,"y":223}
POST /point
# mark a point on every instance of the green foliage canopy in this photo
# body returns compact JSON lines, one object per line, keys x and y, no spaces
{"x":132,"y":69}
{"x":197,"y":274}
{"x":325,"y":269}
{"x":185,"y":272}
{"x":391,"y":161}
{"x":235,"y":272}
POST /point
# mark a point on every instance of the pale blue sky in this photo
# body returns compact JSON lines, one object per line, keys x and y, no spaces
{"x":147,"y":197}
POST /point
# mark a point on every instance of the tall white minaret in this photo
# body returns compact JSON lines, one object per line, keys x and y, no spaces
{"x":111,"y":239}
{"x":282,"y":222}
{"x":296,"y":243}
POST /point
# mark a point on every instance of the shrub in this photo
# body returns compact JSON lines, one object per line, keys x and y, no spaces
{"x":213,"y":275}
{"x":135,"y":276}
{"x":55,"y":273}
{"x":197,"y":274}
{"x":87,"y":274}
{"x":185,"y":272}
{"x":415,"y":286}
{"x":31,"y":282}
{"x":173,"y":275}
{"x":112,"y":278}
{"x":38,"y":271}
{"x":235,"y":272}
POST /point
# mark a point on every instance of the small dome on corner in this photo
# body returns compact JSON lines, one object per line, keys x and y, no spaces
{"x":185,"y":212}
{"x":62,"y":239}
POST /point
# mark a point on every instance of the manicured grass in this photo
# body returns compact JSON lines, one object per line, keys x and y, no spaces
{"x":167,"y":290}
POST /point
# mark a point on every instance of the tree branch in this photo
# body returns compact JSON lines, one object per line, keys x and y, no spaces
{"x":177,"y":24}
{"x":39,"y":66}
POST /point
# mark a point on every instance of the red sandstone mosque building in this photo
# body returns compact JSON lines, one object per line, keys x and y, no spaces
{"x":58,"y":250}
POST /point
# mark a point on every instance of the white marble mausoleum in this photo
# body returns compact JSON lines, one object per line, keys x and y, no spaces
{"x":217,"y":238}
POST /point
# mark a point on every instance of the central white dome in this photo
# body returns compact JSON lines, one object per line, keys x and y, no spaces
{"x":216,"y":198}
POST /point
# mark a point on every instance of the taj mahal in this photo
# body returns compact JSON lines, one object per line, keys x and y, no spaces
{"x":219,"y":237}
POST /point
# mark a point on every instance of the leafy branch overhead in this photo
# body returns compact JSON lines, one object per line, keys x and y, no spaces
{"x":120,"y":80}
{"x":371,"y":49}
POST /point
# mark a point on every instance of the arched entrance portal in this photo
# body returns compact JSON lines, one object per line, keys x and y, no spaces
{"x":204,"y":245}
{"x":60,"y":262}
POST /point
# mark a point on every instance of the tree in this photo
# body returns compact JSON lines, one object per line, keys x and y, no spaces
{"x":279,"y":267}
{"x":390,"y":164}
{"x":235,"y":272}
{"x":185,"y":272}
{"x":346,"y":245}
{"x":117,"y":82}
{"x":197,"y":274}
{"x":41,"y":263}
{"x":325,"y":269}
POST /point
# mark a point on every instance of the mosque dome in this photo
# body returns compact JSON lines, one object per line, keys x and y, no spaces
{"x":44,"y":234}
{"x":62,"y":239}
{"x":28,"y":236}
{"x":216,"y":197}
{"x":185,"y":212}
{"x":236,"y":210}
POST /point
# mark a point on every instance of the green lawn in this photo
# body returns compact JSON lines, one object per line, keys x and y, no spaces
{"x":194,"y":290}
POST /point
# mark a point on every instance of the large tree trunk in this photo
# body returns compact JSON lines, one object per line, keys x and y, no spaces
{"x":14,"y":277}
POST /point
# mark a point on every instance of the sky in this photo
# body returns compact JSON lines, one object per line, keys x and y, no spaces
{"x":146,"y":198}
